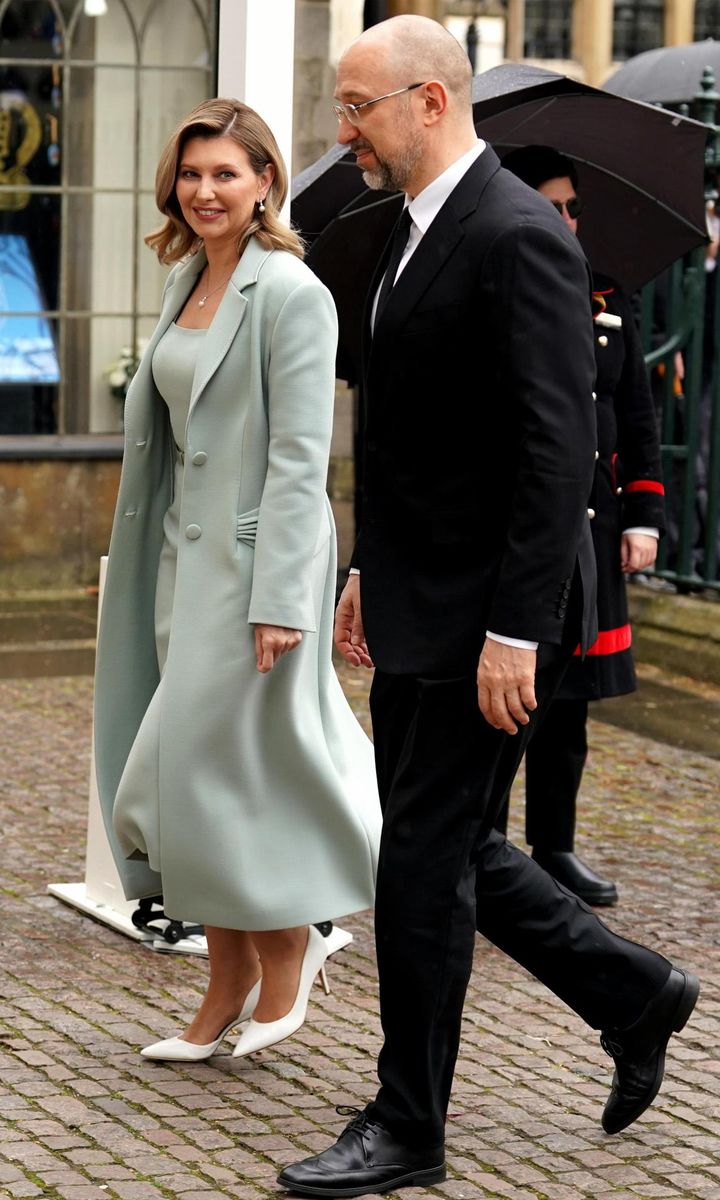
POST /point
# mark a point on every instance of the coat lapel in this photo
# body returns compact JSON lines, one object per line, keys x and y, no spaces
{"x":228,"y":318}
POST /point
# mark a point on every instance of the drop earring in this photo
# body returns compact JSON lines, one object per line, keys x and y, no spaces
{"x":261,"y":205}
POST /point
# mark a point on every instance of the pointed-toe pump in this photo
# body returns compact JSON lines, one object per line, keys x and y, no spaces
{"x":258,"y":1035}
{"x":176,"y":1049}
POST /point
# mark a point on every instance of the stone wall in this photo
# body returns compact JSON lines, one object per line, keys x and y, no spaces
{"x":57,"y":515}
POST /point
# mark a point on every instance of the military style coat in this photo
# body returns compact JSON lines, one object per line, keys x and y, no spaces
{"x":627,"y":491}
{"x":249,"y":801}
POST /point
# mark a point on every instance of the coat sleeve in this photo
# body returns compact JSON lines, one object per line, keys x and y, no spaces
{"x":546,"y":371}
{"x":292,"y":520}
{"x":638,"y":444}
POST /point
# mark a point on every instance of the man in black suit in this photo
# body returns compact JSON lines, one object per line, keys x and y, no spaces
{"x":475,"y":570}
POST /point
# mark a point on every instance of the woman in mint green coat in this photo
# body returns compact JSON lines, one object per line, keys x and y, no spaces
{"x":233,"y":776}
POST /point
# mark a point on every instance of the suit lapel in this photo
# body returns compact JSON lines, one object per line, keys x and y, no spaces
{"x":430,"y":256}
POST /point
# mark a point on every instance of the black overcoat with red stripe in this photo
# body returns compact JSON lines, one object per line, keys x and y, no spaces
{"x":627,"y":491}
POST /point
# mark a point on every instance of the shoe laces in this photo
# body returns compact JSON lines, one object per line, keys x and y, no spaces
{"x":614,"y":1048}
{"x":360,"y":1120}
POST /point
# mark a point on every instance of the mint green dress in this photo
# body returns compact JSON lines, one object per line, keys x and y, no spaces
{"x":173,"y":368}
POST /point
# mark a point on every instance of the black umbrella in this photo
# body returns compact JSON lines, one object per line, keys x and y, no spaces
{"x":640,"y":170}
{"x":668,"y":75}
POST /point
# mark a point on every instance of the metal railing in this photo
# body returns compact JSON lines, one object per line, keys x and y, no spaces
{"x":680,"y":331}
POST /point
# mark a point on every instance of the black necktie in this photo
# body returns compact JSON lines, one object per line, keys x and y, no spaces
{"x":399,"y":242}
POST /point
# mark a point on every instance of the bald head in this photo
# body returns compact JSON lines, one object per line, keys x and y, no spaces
{"x":405,"y":85}
{"x":416,"y":46}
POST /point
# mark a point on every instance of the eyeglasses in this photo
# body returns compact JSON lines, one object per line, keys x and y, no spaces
{"x":573,"y":206}
{"x":350,"y":111}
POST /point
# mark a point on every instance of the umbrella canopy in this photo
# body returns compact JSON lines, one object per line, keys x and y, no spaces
{"x":640,"y":174}
{"x":668,"y":75}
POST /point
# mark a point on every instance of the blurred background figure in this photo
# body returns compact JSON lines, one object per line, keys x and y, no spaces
{"x":627,"y":513}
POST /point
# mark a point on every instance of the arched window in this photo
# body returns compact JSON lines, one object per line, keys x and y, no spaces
{"x":548,"y":28}
{"x":89,"y":91}
{"x":707,"y":20}
{"x":637,"y":26}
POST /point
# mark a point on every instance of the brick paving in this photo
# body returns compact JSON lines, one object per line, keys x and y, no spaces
{"x":83,"y":1117}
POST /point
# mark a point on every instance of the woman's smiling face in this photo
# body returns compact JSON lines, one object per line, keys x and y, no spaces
{"x":217,"y":188}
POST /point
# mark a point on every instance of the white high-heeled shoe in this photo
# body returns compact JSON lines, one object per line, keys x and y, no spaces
{"x":258,"y":1035}
{"x":176,"y":1049}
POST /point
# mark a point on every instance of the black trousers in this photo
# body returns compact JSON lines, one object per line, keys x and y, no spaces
{"x":445,"y":871}
{"x":554,"y":764}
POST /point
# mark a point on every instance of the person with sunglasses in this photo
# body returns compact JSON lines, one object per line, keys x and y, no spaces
{"x":627,"y":511}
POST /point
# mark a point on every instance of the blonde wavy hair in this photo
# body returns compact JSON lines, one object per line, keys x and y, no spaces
{"x":213,"y":119}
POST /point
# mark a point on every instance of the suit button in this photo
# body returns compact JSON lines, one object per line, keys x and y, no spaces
{"x":200,"y":458}
{"x":618,"y":491}
{"x":594,"y":395}
{"x":591,"y":513}
{"x":602,"y":340}
{"x":597,"y":455}
{"x":193,"y":532}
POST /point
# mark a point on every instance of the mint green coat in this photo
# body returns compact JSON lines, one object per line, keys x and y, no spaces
{"x":248,"y":800}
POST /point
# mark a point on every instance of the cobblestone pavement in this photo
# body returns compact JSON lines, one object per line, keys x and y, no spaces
{"x":83,"y":1117}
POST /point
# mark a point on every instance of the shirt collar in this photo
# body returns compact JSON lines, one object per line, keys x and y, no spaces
{"x":427,"y":204}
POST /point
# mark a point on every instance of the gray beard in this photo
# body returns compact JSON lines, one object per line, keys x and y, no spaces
{"x":393,"y":176}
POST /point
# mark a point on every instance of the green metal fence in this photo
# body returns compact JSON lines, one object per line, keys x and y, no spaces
{"x":680,"y":331}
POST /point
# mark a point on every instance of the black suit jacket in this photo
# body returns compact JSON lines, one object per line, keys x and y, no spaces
{"x":480,"y":435}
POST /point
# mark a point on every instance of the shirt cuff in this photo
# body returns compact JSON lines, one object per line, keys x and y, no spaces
{"x":647,"y":531}
{"x":520,"y":643}
{"x":354,"y":571}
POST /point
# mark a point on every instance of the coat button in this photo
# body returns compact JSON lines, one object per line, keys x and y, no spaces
{"x":594,"y":395}
{"x":618,"y":491}
{"x":199,"y":458}
{"x":597,"y":455}
{"x":192,"y":533}
{"x":602,"y":340}
{"x":591,"y":514}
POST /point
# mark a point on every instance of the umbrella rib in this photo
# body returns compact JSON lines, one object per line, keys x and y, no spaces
{"x":532,"y":115}
{"x":642,"y":192}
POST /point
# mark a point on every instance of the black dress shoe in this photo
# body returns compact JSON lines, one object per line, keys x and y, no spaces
{"x":639,"y":1051}
{"x":366,"y":1159}
{"x":573,"y":874}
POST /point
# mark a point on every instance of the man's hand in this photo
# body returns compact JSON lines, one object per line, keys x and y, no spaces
{"x":637,"y":551}
{"x":349,"y":632}
{"x":506,"y":685}
{"x":271,"y":642}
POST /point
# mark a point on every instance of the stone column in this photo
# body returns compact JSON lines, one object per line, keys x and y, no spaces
{"x":679,"y":22}
{"x":593,"y":38}
{"x":422,"y":8}
{"x":515,"y":30}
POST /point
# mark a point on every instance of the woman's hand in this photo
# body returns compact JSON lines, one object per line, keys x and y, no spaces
{"x":271,"y":642}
